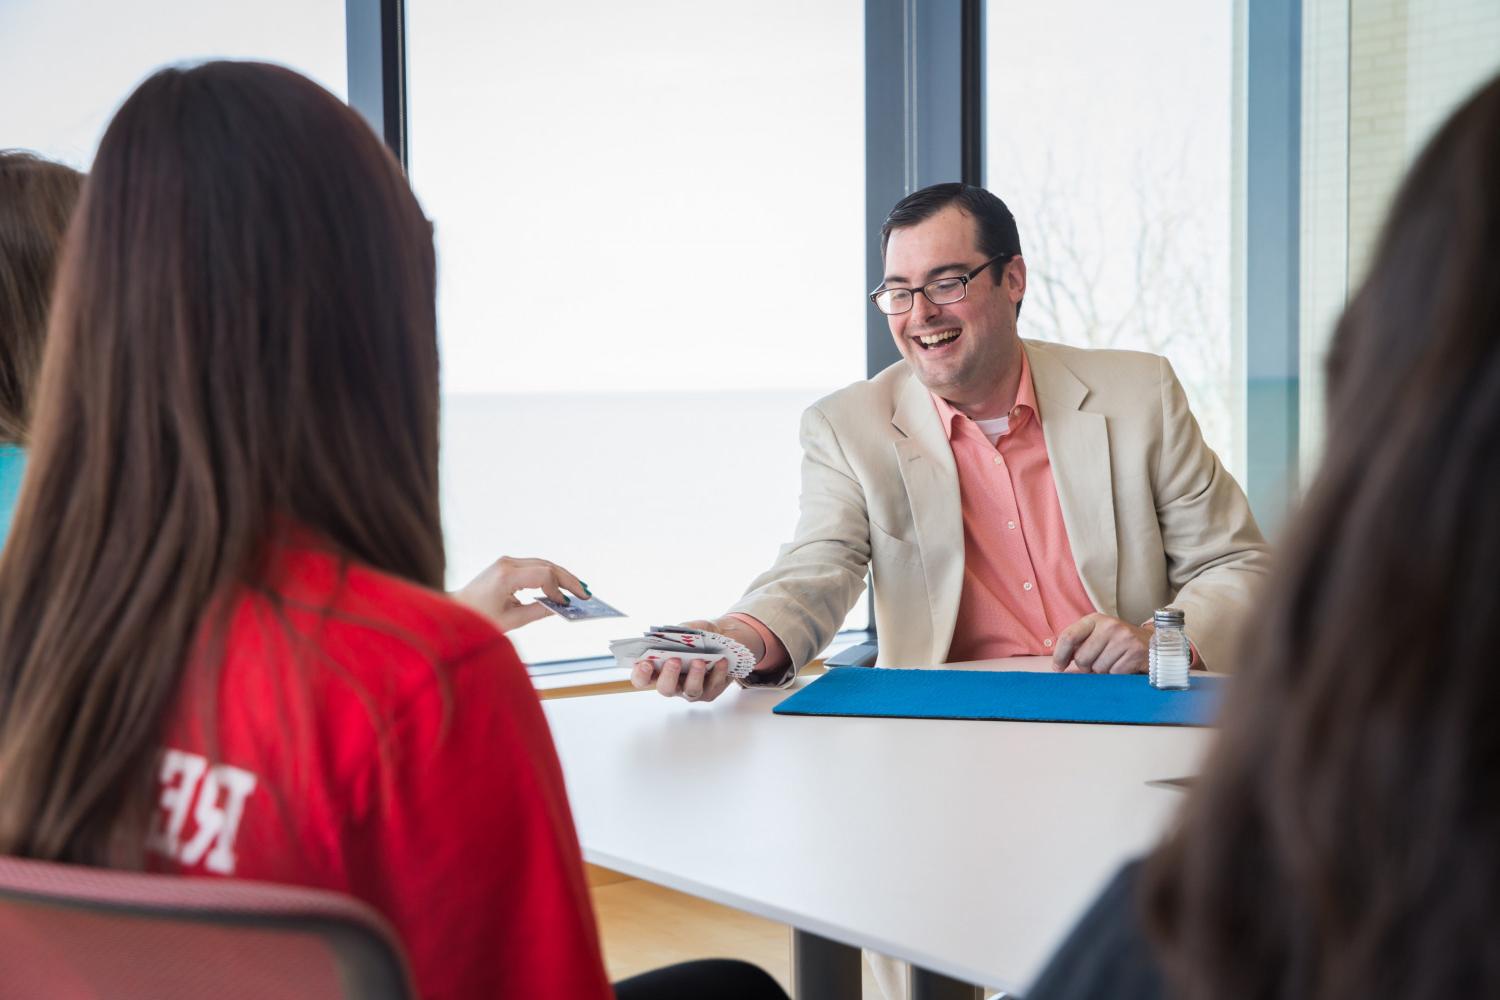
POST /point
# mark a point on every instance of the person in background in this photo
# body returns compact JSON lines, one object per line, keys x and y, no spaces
{"x":1343,"y":841}
{"x":36,"y":201}
{"x":224,"y":649}
{"x":1010,"y":497}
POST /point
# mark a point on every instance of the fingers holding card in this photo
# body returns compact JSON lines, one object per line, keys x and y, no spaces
{"x":495,"y":592}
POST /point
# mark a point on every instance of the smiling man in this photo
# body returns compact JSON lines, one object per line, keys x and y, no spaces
{"x":1009,"y":497}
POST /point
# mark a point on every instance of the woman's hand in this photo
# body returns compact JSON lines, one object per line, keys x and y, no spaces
{"x":493,"y":592}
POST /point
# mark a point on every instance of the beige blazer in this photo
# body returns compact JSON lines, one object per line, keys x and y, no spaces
{"x":1152,"y":516}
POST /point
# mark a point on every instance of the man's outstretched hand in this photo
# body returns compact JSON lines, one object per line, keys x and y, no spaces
{"x":693,"y":679}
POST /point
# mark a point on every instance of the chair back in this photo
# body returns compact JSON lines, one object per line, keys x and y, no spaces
{"x":74,"y":933}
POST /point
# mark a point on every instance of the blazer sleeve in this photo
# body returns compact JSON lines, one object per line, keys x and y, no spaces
{"x":1216,"y":556}
{"x":806,"y":594}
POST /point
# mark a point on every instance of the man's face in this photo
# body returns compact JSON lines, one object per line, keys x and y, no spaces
{"x":961,"y":350}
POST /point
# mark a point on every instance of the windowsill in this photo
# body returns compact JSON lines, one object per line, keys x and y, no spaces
{"x":586,"y":665}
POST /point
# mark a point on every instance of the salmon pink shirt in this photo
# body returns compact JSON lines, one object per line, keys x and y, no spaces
{"x":1021,"y":586}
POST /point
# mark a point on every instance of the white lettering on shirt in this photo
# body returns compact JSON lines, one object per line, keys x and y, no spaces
{"x":180,"y":773}
{"x":220,"y":791}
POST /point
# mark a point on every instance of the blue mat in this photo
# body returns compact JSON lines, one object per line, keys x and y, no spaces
{"x":1121,"y":699}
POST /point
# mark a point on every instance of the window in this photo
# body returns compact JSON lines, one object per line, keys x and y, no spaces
{"x":1381,"y":77}
{"x":1108,"y":133}
{"x":650,"y":225}
{"x":66,"y":65}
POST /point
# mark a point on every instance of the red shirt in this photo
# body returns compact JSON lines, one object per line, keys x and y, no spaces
{"x":373,"y":737}
{"x":1021,"y":585}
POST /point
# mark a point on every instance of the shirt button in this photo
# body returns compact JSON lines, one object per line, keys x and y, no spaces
{"x":998,"y":460}
{"x":1026,"y":585}
{"x":1011,"y":525}
{"x":1047,"y":643}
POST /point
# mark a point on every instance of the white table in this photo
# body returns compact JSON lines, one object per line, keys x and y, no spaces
{"x":966,"y":848}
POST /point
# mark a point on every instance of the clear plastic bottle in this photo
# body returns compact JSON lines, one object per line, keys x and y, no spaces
{"x":1170,"y":654}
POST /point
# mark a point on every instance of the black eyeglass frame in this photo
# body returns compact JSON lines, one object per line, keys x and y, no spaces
{"x":963,"y":279}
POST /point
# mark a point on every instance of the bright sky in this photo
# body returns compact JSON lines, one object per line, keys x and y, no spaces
{"x":65,"y":65}
{"x":643,"y":196}
{"x":647,"y":196}
{"x":1091,"y":102}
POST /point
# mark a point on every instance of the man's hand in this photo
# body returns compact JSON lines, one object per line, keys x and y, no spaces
{"x":692,"y":679}
{"x":493,"y":592}
{"x":1102,"y":645}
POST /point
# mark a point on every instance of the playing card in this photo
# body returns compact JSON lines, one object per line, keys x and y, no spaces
{"x":650,"y":647}
{"x":674,"y":640}
{"x":579,"y":610}
{"x":629,"y":650}
{"x":663,"y":655}
{"x":665,"y":642}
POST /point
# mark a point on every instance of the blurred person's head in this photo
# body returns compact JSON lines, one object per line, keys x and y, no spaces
{"x":956,"y":244}
{"x":37,"y":198}
{"x":1345,"y":841}
{"x":242,"y":346}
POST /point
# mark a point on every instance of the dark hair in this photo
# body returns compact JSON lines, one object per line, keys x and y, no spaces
{"x":36,"y":200}
{"x":996,"y":226}
{"x":1345,"y":840}
{"x":242,"y":346}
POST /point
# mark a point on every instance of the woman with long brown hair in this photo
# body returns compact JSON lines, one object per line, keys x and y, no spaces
{"x":36,"y":201}
{"x":222,"y":649}
{"x":223,"y":646}
{"x":1344,"y":842}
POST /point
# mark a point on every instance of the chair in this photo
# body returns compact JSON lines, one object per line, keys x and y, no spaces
{"x":862,"y":655}
{"x":75,"y":933}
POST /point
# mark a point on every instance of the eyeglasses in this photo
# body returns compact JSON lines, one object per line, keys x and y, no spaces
{"x":942,"y":292}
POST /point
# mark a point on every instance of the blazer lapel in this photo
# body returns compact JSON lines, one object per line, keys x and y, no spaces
{"x":931,"y":479}
{"x":1078,"y":450}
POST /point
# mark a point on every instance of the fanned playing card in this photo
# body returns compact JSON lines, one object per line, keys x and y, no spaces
{"x":662,"y":643}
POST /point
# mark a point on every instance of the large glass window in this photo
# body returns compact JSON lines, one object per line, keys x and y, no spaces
{"x":1108,"y":133}
{"x":66,"y":65}
{"x":650,"y":224}
{"x":1381,"y":76}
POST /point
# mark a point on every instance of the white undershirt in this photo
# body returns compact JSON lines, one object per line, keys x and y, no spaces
{"x":994,"y":429}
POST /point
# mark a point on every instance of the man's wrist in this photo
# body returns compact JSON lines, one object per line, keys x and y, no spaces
{"x":744,"y":628}
{"x":771,"y":658}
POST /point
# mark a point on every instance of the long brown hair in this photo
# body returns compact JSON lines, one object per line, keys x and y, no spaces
{"x":1345,"y":841}
{"x":243,"y":340}
{"x":37,"y":198}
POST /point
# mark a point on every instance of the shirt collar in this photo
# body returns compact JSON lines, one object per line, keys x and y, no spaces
{"x":1025,"y":404}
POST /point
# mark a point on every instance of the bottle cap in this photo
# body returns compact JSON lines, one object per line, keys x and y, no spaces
{"x":1169,"y":618}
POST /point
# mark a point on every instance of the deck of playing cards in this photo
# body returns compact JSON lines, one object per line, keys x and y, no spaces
{"x":664,"y":642}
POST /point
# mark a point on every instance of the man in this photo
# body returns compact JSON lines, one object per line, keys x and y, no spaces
{"x":1009,"y":498}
